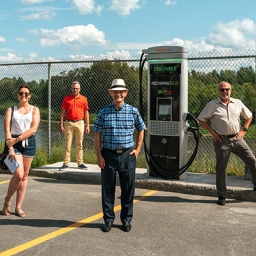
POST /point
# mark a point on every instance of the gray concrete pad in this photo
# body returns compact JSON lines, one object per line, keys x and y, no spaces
{"x":198,"y":184}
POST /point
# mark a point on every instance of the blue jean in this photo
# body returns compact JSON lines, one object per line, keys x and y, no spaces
{"x":125,"y":165}
{"x":28,"y":151}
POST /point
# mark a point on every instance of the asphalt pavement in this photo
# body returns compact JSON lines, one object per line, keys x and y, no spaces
{"x":191,"y":183}
{"x":64,"y":217}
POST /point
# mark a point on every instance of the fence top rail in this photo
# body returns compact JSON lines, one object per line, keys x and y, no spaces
{"x":224,"y":57}
{"x":66,"y":62}
{"x":120,"y":60}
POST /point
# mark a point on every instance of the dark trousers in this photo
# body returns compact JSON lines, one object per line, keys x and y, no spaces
{"x":125,"y":165}
{"x":223,"y":149}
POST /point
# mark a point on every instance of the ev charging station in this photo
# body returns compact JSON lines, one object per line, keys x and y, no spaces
{"x":167,"y":127}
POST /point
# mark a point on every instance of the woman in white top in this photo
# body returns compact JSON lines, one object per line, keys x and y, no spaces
{"x":20,"y":125}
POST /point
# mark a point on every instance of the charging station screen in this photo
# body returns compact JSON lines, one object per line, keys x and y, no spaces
{"x":165,"y":83}
{"x":164,"y":112}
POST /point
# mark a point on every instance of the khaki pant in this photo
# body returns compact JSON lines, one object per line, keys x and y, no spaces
{"x":74,"y":129}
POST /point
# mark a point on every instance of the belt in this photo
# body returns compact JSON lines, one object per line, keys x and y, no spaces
{"x":229,"y":136}
{"x":15,"y":135}
{"x":117,"y":151}
{"x":74,"y":121}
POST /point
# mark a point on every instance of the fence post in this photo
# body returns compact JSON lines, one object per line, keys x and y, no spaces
{"x":49,"y":109}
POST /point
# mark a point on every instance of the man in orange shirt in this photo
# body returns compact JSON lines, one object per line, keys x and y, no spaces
{"x":75,"y":110}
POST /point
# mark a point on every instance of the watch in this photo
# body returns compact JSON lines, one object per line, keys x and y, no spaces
{"x":244,"y":129}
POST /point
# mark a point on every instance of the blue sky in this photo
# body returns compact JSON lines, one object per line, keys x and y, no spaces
{"x":78,"y":29}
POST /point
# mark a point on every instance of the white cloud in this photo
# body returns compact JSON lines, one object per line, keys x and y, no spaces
{"x":169,"y":2}
{"x":86,"y":6}
{"x":232,"y":34}
{"x":179,"y":42}
{"x":224,"y":36}
{"x":73,"y":36}
{"x":32,"y":55}
{"x":124,"y":7}
{"x":80,"y":57}
{"x":117,"y":54}
{"x":44,"y":15}
{"x":2,"y":39}
{"x":5,"y":49}
{"x":49,"y":59}
{"x":10,"y":57}
{"x":34,"y":32}
{"x":21,"y":39}
{"x":248,"y":26}
{"x":140,"y":45}
{"x":32,"y":1}
{"x":190,"y":45}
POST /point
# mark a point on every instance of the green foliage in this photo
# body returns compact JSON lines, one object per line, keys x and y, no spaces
{"x":207,"y":165}
{"x":40,"y":159}
{"x":203,"y":87}
{"x":89,"y":157}
{"x":96,"y":77}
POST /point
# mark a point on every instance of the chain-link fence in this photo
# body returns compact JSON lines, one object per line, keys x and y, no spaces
{"x":50,"y":81}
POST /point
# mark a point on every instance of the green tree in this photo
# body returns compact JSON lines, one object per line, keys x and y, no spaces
{"x":245,"y":74}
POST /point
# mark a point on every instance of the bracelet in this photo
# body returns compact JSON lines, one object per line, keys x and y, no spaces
{"x":10,"y":150}
{"x":17,"y":139}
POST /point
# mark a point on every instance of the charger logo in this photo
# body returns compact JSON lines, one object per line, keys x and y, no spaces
{"x":171,"y":68}
{"x":164,"y":92}
{"x":164,"y":140}
{"x":160,"y":83}
{"x":175,"y":83}
{"x":167,"y":68}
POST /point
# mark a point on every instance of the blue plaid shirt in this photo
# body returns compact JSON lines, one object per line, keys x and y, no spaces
{"x":117,"y":126}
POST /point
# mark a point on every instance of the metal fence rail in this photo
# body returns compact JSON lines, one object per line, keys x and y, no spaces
{"x":51,"y":81}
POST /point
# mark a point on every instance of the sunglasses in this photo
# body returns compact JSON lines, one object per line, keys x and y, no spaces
{"x":225,"y":89}
{"x":23,"y":93}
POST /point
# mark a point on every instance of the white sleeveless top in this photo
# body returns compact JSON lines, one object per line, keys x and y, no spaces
{"x":21,"y":122}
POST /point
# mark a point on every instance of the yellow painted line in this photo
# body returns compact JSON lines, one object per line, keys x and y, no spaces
{"x":64,"y":230}
{"x":4,"y":181}
{"x":150,"y":193}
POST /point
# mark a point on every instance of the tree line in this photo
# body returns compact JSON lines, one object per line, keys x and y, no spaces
{"x":97,"y":78}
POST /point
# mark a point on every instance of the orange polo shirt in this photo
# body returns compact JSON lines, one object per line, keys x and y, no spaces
{"x":75,"y":107}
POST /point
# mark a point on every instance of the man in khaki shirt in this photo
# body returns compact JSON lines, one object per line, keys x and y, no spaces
{"x":224,"y":114}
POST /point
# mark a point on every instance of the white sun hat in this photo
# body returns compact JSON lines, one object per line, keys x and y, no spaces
{"x":118,"y":85}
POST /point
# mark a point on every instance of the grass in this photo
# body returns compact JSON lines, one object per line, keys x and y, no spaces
{"x":207,"y":165}
{"x":204,"y":164}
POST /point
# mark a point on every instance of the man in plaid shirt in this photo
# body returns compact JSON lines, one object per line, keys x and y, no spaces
{"x":116,"y":152}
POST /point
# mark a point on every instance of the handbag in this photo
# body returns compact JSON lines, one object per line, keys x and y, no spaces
{"x":3,"y":156}
{"x":2,"y":163}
